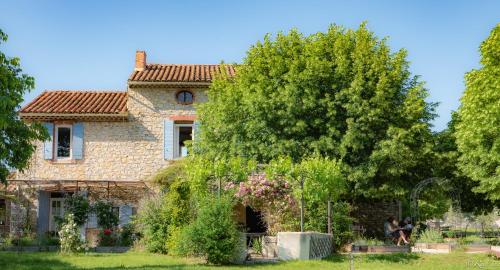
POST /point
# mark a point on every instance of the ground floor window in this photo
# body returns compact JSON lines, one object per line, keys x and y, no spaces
{"x":56,"y":213}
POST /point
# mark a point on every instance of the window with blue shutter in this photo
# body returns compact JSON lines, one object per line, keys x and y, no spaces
{"x":168,"y":139}
{"x":78,"y":141}
{"x":48,"y":145}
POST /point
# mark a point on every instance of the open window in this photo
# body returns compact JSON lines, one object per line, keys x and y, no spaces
{"x":182,"y":133}
{"x":63,"y":141}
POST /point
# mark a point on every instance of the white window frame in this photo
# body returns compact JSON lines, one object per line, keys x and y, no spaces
{"x":56,"y":142}
{"x":52,"y":222}
{"x":177,"y":127}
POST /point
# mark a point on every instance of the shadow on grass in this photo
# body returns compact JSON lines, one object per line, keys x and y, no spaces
{"x":26,"y":261}
{"x":392,"y":257}
{"x":337,"y":258}
{"x":389,"y":257}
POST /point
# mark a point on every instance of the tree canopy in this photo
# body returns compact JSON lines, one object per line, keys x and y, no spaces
{"x":340,"y":94}
{"x":16,"y":137}
{"x":478,"y":133}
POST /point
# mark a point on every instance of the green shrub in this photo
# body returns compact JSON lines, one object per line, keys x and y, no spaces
{"x":166,"y":176}
{"x":152,"y":221}
{"x":214,"y":234}
{"x":127,"y":235}
{"x":257,"y":245}
{"x":106,"y":217}
{"x":107,"y":238}
{"x":341,"y":223}
{"x":430,"y":236}
{"x":69,"y":236}
{"x":161,"y":218}
{"x":79,"y":206}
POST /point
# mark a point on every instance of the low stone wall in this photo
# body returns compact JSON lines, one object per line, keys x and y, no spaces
{"x":495,"y":251}
{"x":477,"y":248}
{"x":380,"y":249}
{"x":303,"y":245}
{"x":433,"y":247}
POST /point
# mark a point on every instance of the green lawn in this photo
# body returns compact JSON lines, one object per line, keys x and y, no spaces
{"x":455,"y":261}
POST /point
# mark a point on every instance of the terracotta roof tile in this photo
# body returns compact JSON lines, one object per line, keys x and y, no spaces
{"x":78,"y":102}
{"x":179,"y":73}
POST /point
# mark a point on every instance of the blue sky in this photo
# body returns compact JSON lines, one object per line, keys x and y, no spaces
{"x":91,"y":44}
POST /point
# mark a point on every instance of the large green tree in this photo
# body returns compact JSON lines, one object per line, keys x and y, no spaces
{"x":16,"y":137}
{"x":478,"y":133}
{"x":446,"y":165}
{"x":341,"y":94}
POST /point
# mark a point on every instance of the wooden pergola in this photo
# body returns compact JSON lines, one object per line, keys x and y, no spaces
{"x":121,"y":190}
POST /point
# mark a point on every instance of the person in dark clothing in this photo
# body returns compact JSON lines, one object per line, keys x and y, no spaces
{"x":406,"y":227}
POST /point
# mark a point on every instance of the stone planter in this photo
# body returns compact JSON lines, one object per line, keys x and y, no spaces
{"x":433,"y":247}
{"x":380,"y":249}
{"x":270,"y":246}
{"x":303,"y":245}
{"x":477,"y":248}
{"x":495,"y":251}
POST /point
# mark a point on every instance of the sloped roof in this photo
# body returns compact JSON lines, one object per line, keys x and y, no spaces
{"x":179,"y":73}
{"x":72,"y":103}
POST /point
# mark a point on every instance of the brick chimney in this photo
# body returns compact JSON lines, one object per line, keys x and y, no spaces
{"x":140,"y":60}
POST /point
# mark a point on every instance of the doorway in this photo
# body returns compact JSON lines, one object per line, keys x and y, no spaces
{"x":254,"y":221}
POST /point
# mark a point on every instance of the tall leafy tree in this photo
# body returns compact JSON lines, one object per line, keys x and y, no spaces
{"x":16,"y":137}
{"x":446,"y":165}
{"x":478,"y":133}
{"x":342,"y":94}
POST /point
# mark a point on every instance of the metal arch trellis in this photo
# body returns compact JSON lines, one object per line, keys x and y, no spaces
{"x":455,"y":195}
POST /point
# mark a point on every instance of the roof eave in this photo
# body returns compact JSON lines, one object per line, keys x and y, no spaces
{"x":132,"y":84}
{"x":90,"y":117}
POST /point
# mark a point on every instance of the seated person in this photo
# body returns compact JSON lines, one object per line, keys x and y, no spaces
{"x":394,"y":232}
{"x":407,"y":227}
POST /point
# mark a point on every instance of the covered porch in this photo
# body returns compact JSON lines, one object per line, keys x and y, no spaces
{"x":31,"y":206}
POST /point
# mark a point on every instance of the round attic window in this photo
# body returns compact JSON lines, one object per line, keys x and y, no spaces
{"x":184,"y":97}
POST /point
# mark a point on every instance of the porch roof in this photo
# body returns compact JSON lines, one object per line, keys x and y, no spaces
{"x":97,"y":189}
{"x":77,"y":105}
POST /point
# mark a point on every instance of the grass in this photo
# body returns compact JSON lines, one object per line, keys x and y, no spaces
{"x":135,"y":261}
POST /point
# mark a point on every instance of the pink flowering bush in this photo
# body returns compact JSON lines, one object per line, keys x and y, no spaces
{"x":272,"y":197}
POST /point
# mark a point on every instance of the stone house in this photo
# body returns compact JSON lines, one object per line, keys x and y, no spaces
{"x":107,"y":143}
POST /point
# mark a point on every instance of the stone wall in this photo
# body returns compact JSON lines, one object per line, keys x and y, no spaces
{"x":372,"y":215}
{"x":131,"y":150}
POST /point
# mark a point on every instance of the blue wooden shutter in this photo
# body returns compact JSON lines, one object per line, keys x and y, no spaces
{"x":78,"y":140}
{"x":48,"y":145}
{"x":168,"y":139}
{"x":42,"y":223}
{"x":125,"y":214}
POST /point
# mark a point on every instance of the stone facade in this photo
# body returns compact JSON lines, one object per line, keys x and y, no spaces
{"x":129,"y":150}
